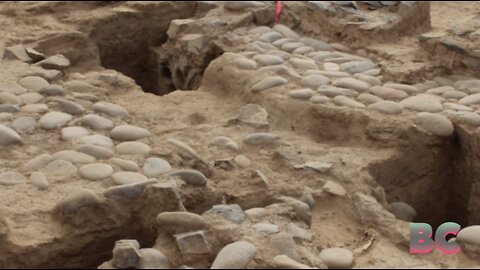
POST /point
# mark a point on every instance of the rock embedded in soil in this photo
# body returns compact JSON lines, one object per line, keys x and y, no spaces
{"x":388,"y":93}
{"x":357,"y":66}
{"x":53,"y":120}
{"x":129,"y":133}
{"x":98,"y":139}
{"x":314,"y":81}
{"x":265,"y":229}
{"x":109,"y":109}
{"x":6,"y":98}
{"x":132,"y":148}
{"x":127,"y":178}
{"x":319,"y":99}
{"x":153,"y":259}
{"x":387,"y":107}
{"x":270,"y":37}
{"x":156,"y":166}
{"x":77,"y":199}
{"x":126,"y":254}
{"x":436,"y":124}
{"x":74,"y":132}
{"x":247,"y":64}
{"x":8,"y":136}
{"x":57,"y":61}
{"x":52,"y":90}
{"x":268,"y":60}
{"x":225,"y":142}
{"x":347,"y":102}
{"x":286,"y":31}
{"x":470,"y":100}
{"x":17,"y":52}
{"x":61,"y":168}
{"x":12,"y":88}
{"x":24,"y":124}
{"x":334,"y":188}
{"x":367,"y":98}
{"x":352,"y":83}
{"x":81,"y":87}
{"x":96,"y":122}
{"x":127,"y":192}
{"x":70,"y":107}
{"x":236,"y":255}
{"x":253,"y":115}
{"x":39,"y":180}
{"x":126,"y":165}
{"x":337,"y":258}
{"x":96,"y":171}
{"x":242,"y":161}
{"x":470,"y":118}
{"x":31,"y":98}
{"x":298,"y":233}
{"x":96,"y":151}
{"x":231,"y":212}
{"x":261,"y":138}
{"x":422,"y":103}
{"x":285,"y":262}
{"x":192,"y":243}
{"x":33,"y":83}
{"x":283,"y":244}
{"x":12,"y":178}
{"x":268,"y":82}
{"x":37,"y":162}
{"x":73,"y":156}
{"x":35,"y":108}
{"x":191,"y":177}
{"x":403,"y":211}
{"x":410,"y":89}
{"x":180,"y":222}
{"x":9,"y":108}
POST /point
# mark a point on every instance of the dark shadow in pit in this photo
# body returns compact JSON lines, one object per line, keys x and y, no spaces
{"x":430,"y":179}
{"x":128,"y":43}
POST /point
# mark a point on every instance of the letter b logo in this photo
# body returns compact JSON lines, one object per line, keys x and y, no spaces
{"x":421,"y":241}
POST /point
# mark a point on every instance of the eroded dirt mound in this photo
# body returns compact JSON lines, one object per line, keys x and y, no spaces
{"x":300,"y":147}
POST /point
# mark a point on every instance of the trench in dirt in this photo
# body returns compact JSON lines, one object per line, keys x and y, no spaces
{"x":435,"y":181}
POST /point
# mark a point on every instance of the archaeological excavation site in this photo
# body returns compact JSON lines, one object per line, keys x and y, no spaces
{"x":243,"y":134}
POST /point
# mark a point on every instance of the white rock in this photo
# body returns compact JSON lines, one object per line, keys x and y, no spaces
{"x":96,"y":122}
{"x":109,"y":109}
{"x":334,"y":188}
{"x":74,"y":132}
{"x":436,"y":124}
{"x":301,"y":93}
{"x":39,"y":180}
{"x":132,"y":148}
{"x":156,"y":166}
{"x":337,"y":258}
{"x":387,"y":107}
{"x":126,"y":165}
{"x":268,"y":82}
{"x":8,"y":136}
{"x":314,"y":81}
{"x":37,"y":162}
{"x":129,"y":133}
{"x":352,"y":83}
{"x":11,"y":178}
{"x":96,"y":171}
{"x":73,"y":156}
{"x":126,"y":178}
{"x":54,"y":120}
{"x":236,"y":255}
{"x":347,"y":102}
{"x":422,"y":103}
